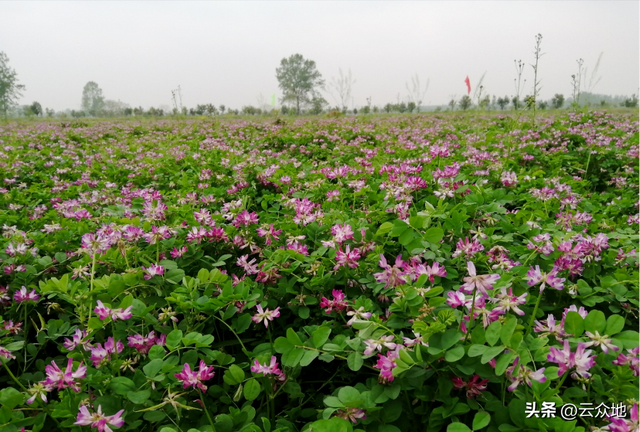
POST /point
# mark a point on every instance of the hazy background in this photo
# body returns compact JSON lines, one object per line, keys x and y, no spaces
{"x":227,"y":52}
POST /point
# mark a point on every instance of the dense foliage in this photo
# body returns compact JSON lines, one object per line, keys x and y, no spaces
{"x":417,"y":273}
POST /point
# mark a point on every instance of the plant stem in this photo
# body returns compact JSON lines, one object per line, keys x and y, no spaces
{"x":535,"y":310}
{"x":206,"y":411}
{"x":473,"y":306}
{"x":93,"y":271}
{"x":4,"y":363}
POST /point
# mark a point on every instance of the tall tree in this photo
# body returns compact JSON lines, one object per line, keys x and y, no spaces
{"x":342,"y":87}
{"x":416,"y":92}
{"x":92,"y":98}
{"x":299,"y":80}
{"x":10,"y":90}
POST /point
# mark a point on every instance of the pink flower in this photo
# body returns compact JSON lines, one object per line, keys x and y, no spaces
{"x":6,"y":354}
{"x":153,"y":270}
{"x":23,"y":296}
{"x":374,"y":345}
{"x":602,"y":341}
{"x":100,"y":353}
{"x":469,"y":249}
{"x":250,"y":267}
{"x":338,"y":302}
{"x":391,"y":276}
{"x":245,"y":218}
{"x":269,"y":234}
{"x":631,"y":358}
{"x":62,"y":380}
{"x":519,"y":373}
{"x":474,"y":387}
{"x":386,"y":365}
{"x":509,"y":302}
{"x":194,"y":379}
{"x":623,"y":425}
{"x":549,"y":327}
{"x":98,"y":419}
{"x":79,"y":338}
{"x":567,"y":359}
{"x":265,"y":315}
{"x":143,"y":344}
{"x":347,"y":258}
{"x":104,"y":312}
{"x":270,"y":369}
{"x":481,"y":283}
{"x":341,"y":233}
{"x":352,"y":414}
{"x":535,"y":277}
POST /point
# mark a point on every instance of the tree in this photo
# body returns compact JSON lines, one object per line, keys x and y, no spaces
{"x":299,"y":80}
{"x":35,"y":109}
{"x":503,"y":102}
{"x":342,"y":87}
{"x":557,"y":101}
{"x":92,"y":99}
{"x":317,"y":105}
{"x":10,"y":90}
{"x":416,"y":92}
{"x":465,"y":103}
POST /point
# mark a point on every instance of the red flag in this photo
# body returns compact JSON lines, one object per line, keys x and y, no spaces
{"x":468,"y":83}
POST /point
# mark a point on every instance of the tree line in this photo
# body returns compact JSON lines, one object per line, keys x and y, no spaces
{"x":301,"y":85}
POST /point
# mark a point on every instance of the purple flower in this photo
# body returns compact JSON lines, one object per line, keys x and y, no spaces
{"x":270,"y":369}
{"x":98,"y":419}
{"x":347,"y":258}
{"x":338,"y":302}
{"x":391,"y":276}
{"x":535,"y":276}
{"x":386,"y":365}
{"x":61,"y":380}
{"x":567,"y":359}
{"x":104,"y":312}
{"x":481,"y":283}
{"x":100,"y":353}
{"x":194,"y":379}
{"x":153,"y":270}
{"x":631,"y":358}
{"x":79,"y":338}
{"x":23,"y":296}
{"x":265,"y":315}
{"x":519,"y":373}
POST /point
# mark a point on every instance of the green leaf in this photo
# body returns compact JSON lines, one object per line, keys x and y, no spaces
{"x":406,"y":237}
{"x":293,"y":337}
{"x":508,"y":327}
{"x":308,"y":357}
{"x":354,"y":361}
{"x":11,"y":398}
{"x":15,"y":346}
{"x":595,"y":321}
{"x":138,"y":397}
{"x":492,"y":333}
{"x":433,"y":235}
{"x":574,"y":324}
{"x":630,"y":338}
{"x":122,"y":385}
{"x":458,"y":427}
{"x":480,"y":420}
{"x":504,"y":362}
{"x":384,"y":228}
{"x":320,"y":336}
{"x":237,"y":373}
{"x":399,"y":227}
{"x":152,"y":368}
{"x":454,"y":354}
{"x":252,"y":389}
{"x":282,"y":345}
{"x":173,"y":339}
{"x":349,"y":395}
{"x":476,"y":350}
{"x":449,"y":338}
{"x":156,"y":352}
{"x":615,"y":324}
{"x":491,"y":353}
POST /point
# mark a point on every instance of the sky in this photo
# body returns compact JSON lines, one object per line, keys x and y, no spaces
{"x":227,"y":52}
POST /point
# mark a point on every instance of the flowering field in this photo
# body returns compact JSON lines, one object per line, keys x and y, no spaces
{"x":393,"y":274}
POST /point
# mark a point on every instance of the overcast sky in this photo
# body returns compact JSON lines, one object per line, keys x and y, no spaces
{"x":227,"y":52}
